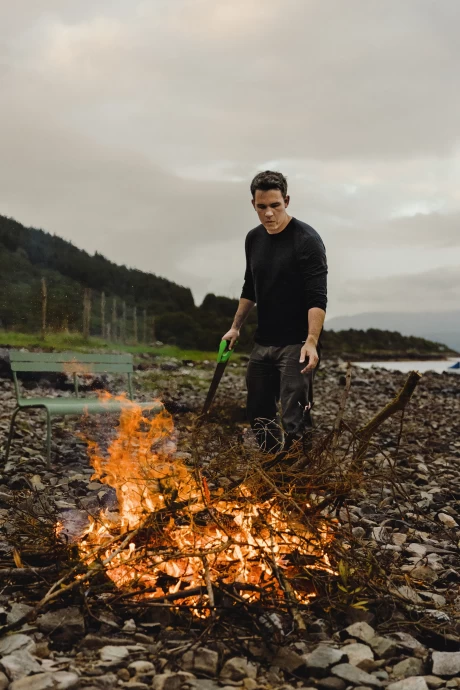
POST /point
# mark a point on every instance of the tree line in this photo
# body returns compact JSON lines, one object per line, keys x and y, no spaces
{"x":48,"y":283}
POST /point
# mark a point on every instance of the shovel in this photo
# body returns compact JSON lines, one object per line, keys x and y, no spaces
{"x":223,"y":356}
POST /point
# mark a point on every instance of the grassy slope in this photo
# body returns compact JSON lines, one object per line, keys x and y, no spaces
{"x":75,"y":341}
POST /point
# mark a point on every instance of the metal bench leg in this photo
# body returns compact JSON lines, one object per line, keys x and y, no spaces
{"x":48,"y":440}
{"x":10,"y":435}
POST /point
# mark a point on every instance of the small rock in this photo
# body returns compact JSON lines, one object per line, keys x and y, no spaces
{"x":60,"y":680}
{"x":288,"y":660}
{"x":129,"y":626}
{"x":358,"y":532}
{"x":64,"y":625}
{"x":424,"y":573}
{"x":361,"y":630}
{"x":172,"y":681}
{"x":237,"y":668}
{"x":417,"y":549}
{"x":112,"y":654}
{"x":4,"y":682}
{"x":250,"y":684}
{"x":65,"y":680}
{"x":408,"y":667}
{"x":41,"y":681}
{"x":11,"y":643}
{"x":409,"y":642}
{"x":331,"y":683}
{"x":412,"y":683}
{"x":17,"y":611}
{"x":202,"y":660}
{"x":321,"y":659}
{"x":357,"y":652}
{"x":447,"y":520}
{"x":446,"y":663}
{"x":434,"y":682}
{"x":123,"y":674}
{"x":20,"y":663}
{"x":384,"y":647}
{"x":353,"y":674}
{"x":398,"y":538}
{"x":141,"y":666}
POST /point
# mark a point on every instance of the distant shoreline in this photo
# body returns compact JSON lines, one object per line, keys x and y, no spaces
{"x":383,"y":356}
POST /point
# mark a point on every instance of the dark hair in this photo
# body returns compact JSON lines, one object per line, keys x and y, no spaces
{"x":269,"y":180}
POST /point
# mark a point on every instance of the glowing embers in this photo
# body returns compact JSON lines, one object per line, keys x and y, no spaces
{"x":171,"y":535}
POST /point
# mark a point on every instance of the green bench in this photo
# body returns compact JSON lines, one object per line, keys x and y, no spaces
{"x":75,"y":364}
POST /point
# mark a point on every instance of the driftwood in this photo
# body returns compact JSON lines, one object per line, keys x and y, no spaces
{"x":398,"y":404}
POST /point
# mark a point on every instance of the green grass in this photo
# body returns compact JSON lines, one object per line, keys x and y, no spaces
{"x":75,"y":341}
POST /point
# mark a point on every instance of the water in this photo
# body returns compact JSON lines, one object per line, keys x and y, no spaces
{"x":422,"y":366}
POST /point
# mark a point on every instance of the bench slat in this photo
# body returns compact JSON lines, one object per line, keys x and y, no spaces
{"x":74,"y":367}
{"x":77,"y":406}
{"x":16,"y":356}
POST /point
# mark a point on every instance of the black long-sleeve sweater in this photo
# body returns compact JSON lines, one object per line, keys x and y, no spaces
{"x":286,"y":275}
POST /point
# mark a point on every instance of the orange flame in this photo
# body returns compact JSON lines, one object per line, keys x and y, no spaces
{"x":239,"y":540}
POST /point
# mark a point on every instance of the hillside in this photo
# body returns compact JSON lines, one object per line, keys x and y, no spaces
{"x":126,"y":301}
{"x":443,"y":326}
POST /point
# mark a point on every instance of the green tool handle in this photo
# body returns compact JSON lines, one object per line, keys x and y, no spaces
{"x":224,"y":353}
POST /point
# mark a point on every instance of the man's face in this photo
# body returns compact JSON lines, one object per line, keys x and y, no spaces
{"x":271,"y":209}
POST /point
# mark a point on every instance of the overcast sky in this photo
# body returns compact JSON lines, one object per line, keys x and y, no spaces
{"x":133,"y":128}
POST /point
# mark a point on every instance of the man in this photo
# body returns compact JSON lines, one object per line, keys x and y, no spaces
{"x":286,"y":276}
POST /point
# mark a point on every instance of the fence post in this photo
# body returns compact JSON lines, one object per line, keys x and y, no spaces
{"x":114,"y":318}
{"x":44,"y":307}
{"x":144,"y":326}
{"x":86,"y":313}
{"x":135,"y":324}
{"x":103,"y":314}
{"x":154,"y":336}
{"x":123,"y":323}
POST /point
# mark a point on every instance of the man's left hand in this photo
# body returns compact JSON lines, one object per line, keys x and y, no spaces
{"x":309,"y":353}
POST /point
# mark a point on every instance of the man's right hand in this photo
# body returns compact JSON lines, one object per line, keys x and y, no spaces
{"x":232,"y":335}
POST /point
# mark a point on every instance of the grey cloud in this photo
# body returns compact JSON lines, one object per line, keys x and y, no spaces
{"x":429,"y":290}
{"x":122,"y":124}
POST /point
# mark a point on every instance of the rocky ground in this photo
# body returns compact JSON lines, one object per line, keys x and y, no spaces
{"x":407,"y":517}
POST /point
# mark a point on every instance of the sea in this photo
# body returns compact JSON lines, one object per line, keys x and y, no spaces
{"x":411,"y":365}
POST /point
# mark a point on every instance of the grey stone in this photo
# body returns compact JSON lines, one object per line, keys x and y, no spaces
{"x":407,"y":641}
{"x":361,"y":630}
{"x":331,"y":683}
{"x":41,"y":681}
{"x":380,"y":674}
{"x":66,"y":624}
{"x":447,"y":520}
{"x":288,"y":660}
{"x":416,"y":549}
{"x":237,"y":668}
{"x":202,"y":660}
{"x":357,"y":652}
{"x":4,"y":682}
{"x":17,"y":611}
{"x":141,"y":666}
{"x":171,"y":681}
{"x":412,"y":683}
{"x":11,"y":643}
{"x":113,"y":654}
{"x":353,"y":674}
{"x":65,"y":680}
{"x":61,"y":680}
{"x":20,"y":663}
{"x":384,"y":646}
{"x":321,"y":659}
{"x":203,"y":684}
{"x":446,"y":663}
{"x":408,"y":667}
{"x":434,"y":682}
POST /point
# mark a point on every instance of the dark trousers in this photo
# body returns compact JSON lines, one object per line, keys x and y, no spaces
{"x":273,"y":376}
